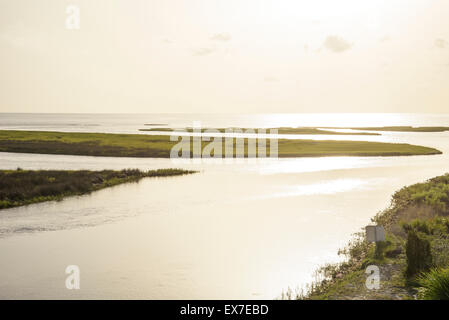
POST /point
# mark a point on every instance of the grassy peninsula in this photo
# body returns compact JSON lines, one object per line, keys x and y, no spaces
{"x":159,"y":146}
{"x":22,"y":187}
{"x":413,"y":261}
{"x":281,"y":130}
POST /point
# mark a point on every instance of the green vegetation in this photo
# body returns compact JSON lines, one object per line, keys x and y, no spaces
{"x":150,"y":146}
{"x":22,"y":187}
{"x":281,"y":130}
{"x":164,"y":130}
{"x":400,"y":129}
{"x":316,"y":148}
{"x":435,"y":285}
{"x":417,"y":250}
{"x":413,"y":261}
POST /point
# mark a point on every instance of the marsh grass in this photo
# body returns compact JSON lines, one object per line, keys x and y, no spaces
{"x":20,"y":187}
{"x":159,"y":146}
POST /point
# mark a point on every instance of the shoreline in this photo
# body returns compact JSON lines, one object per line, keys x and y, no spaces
{"x":417,"y":214}
{"x":23,"y":187}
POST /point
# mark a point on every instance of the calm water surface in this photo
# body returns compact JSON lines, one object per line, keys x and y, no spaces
{"x":231,"y":231}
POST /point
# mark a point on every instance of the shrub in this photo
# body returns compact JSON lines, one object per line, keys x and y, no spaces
{"x":380,"y":249}
{"x":418,"y":251}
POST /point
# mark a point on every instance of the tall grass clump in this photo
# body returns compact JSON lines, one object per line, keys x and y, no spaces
{"x":434,"y":285}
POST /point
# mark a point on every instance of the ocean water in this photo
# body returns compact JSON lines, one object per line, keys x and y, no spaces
{"x":130,"y":123}
{"x":232,"y":231}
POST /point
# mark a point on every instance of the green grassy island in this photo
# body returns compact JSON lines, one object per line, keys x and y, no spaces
{"x":22,"y":187}
{"x":281,"y":130}
{"x":159,"y":146}
{"x":413,"y":261}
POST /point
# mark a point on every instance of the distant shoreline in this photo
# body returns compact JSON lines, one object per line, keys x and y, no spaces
{"x":280,"y":130}
{"x":396,"y":129}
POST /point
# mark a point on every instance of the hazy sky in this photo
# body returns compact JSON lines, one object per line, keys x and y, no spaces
{"x":225,"y":56}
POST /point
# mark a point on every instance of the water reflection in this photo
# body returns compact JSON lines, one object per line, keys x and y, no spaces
{"x":330,"y":187}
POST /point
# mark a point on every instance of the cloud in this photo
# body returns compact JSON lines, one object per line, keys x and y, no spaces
{"x":203,"y":51}
{"x":221,"y":37}
{"x":21,"y":36}
{"x":385,"y":38}
{"x":167,"y":41}
{"x":440,"y":43}
{"x":270,"y":79}
{"x":337,"y":44}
